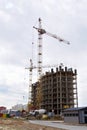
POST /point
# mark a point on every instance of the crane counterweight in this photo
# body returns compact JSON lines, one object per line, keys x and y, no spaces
{"x":41,"y":31}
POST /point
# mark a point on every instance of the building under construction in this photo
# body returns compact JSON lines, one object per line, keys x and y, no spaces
{"x":58,"y":90}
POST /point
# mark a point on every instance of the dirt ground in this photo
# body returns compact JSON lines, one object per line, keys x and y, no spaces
{"x":19,"y":124}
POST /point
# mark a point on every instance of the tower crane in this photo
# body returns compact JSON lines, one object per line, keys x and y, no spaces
{"x":42,"y":31}
{"x":30,"y":82}
{"x":39,"y":67}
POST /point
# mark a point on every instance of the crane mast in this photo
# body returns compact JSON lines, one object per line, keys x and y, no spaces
{"x":39,"y":60}
{"x":30,"y":80}
{"x":30,"y":83}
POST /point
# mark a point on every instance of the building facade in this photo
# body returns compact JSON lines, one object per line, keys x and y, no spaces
{"x":58,"y":89}
{"x":2,"y":108}
{"x":75,"y":115}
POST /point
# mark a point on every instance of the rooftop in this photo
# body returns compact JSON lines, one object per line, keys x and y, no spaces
{"x":75,"y":109}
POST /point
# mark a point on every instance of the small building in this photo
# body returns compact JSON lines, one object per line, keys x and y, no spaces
{"x":2,"y":108}
{"x":75,"y":115}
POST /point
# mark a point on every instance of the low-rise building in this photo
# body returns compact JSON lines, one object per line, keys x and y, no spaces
{"x":19,"y":107}
{"x":75,"y":115}
{"x":2,"y":108}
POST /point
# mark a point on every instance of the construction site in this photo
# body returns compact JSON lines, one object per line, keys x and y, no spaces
{"x":58,"y":89}
{"x":54,"y":90}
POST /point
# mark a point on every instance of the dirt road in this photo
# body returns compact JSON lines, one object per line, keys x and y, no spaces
{"x":19,"y":124}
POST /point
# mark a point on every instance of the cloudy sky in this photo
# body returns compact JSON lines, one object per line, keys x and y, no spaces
{"x":65,"y":18}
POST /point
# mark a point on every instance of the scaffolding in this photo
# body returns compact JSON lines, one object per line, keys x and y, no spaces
{"x":59,"y":90}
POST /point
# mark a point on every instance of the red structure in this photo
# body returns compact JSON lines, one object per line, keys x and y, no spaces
{"x":2,"y":108}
